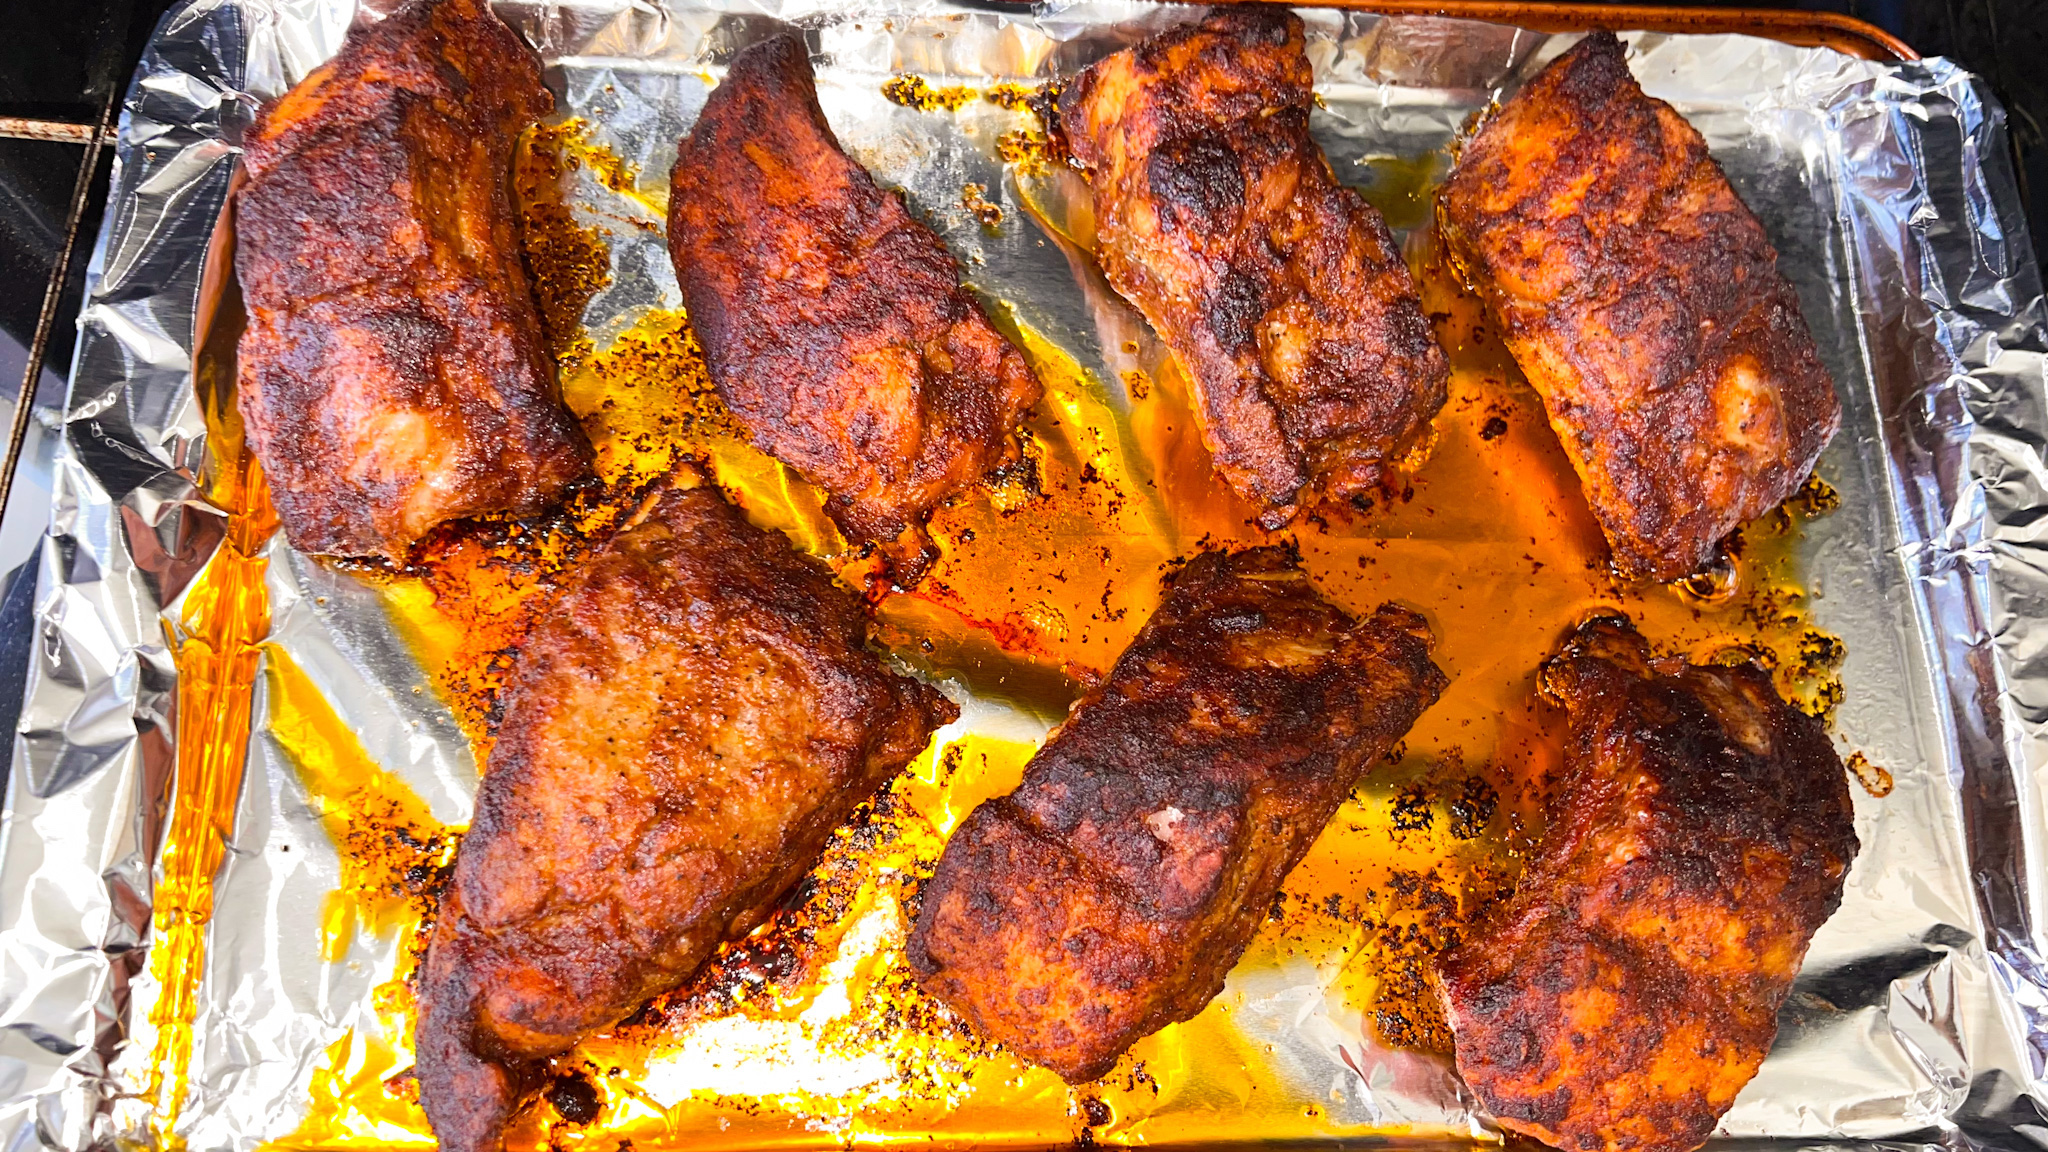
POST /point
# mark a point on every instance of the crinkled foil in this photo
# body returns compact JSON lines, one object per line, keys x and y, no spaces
{"x":1922,"y":1012}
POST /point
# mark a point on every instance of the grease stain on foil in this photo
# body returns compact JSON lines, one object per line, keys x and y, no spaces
{"x":215,"y":639}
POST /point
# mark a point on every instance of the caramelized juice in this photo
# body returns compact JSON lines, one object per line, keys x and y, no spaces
{"x":810,"y":1031}
{"x":214,"y":637}
{"x":394,"y":858}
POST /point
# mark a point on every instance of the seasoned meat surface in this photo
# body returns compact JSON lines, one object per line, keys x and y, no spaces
{"x":1643,"y":300}
{"x":1110,"y":894}
{"x":1282,"y":292}
{"x":682,"y":735}
{"x":1701,"y":834}
{"x":834,"y":323}
{"x":392,"y":375}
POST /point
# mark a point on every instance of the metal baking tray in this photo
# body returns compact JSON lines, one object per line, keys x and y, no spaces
{"x":168,"y":914}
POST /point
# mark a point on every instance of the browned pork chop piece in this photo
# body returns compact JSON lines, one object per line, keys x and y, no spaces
{"x":1631,"y":985}
{"x":1643,"y":300}
{"x":682,"y":734}
{"x":833,"y":322}
{"x":1314,"y":370}
{"x":1110,"y":894}
{"x":393,"y":375}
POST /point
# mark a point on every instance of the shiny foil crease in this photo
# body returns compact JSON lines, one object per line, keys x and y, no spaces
{"x":1922,"y":1012}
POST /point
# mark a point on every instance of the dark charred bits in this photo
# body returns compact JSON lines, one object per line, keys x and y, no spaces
{"x":1014,"y":97}
{"x":1095,"y":1111}
{"x":1412,"y":811}
{"x":949,"y":762}
{"x":1815,"y":498}
{"x":1819,"y":651}
{"x":1024,"y":474}
{"x":1494,"y":429}
{"x":1052,"y":144}
{"x":574,"y":1098}
{"x":1472,"y":807}
{"x":1408,"y":1017}
{"x":396,"y":860}
{"x":1734,"y":544}
{"x":1028,"y":151}
{"x":1875,"y":780}
{"x":1825,"y":699}
{"x":913,"y":92}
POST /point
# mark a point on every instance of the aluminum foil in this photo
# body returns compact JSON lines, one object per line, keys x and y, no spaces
{"x":1922,"y":1012}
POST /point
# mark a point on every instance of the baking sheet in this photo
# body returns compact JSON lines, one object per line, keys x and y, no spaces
{"x":1921,"y":1015}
